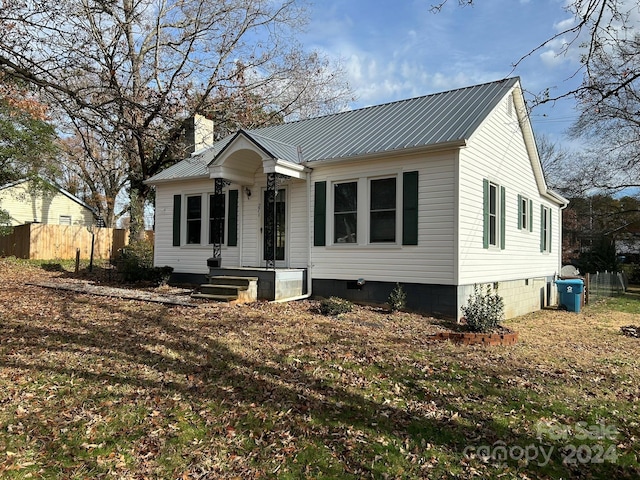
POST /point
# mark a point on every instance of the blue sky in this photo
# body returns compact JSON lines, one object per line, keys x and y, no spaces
{"x":398,"y":49}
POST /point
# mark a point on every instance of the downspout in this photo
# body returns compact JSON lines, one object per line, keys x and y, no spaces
{"x":309,"y":236}
{"x":241,"y":209}
{"x":310,"y":247}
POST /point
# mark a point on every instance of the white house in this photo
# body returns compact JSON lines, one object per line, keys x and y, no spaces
{"x":438,"y":193}
{"x":28,"y":201}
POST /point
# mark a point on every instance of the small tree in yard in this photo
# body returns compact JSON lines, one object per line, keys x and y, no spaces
{"x":137,"y":264}
{"x":397,"y":298}
{"x":483,"y":311}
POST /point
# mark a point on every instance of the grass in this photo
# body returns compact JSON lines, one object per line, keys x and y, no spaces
{"x":95,"y":387}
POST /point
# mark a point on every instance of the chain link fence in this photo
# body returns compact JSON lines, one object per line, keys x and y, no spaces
{"x":605,"y":284}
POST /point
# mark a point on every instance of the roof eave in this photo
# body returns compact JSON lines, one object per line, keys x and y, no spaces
{"x":151,"y":181}
{"x":452,"y":145}
{"x":556,"y":197}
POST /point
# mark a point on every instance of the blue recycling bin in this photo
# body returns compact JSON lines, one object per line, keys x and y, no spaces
{"x":570,"y":291}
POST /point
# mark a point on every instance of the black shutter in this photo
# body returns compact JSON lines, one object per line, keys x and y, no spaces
{"x":503,"y":216}
{"x":485,"y":213}
{"x":177,"y":209}
{"x":410,"y":208}
{"x":232,"y":219}
{"x":320,"y":215}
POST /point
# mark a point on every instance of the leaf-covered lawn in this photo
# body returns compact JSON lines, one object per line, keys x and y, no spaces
{"x":98,"y":387}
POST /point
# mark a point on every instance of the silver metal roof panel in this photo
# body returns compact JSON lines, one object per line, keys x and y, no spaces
{"x":440,"y":118}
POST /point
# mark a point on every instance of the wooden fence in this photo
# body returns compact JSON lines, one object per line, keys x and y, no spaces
{"x":47,"y":242}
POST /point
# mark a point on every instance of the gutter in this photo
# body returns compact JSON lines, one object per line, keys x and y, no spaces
{"x":455,"y":144}
{"x":151,"y":181}
{"x":310,"y":247}
{"x":310,"y":240}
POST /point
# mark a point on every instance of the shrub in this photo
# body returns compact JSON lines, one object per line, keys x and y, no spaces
{"x":136,"y":264}
{"x":5,"y":223}
{"x":397,"y":298}
{"x":335,"y":306}
{"x":483,"y":311}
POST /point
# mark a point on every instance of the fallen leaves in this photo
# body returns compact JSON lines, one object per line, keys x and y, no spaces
{"x":98,"y":387}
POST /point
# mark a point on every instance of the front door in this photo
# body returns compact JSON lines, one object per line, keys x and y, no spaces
{"x":279,"y":241}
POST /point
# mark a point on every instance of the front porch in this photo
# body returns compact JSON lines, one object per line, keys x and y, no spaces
{"x":279,"y":284}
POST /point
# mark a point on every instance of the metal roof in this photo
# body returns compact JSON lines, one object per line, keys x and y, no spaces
{"x":439,"y":118}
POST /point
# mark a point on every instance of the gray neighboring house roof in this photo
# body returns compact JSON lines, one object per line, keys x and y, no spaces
{"x":442,"y":118}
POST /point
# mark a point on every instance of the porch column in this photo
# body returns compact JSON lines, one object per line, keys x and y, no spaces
{"x":217,"y":237}
{"x":270,"y":221}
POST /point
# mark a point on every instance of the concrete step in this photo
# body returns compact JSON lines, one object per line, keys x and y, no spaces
{"x":230,"y":280}
{"x":215,"y":298}
{"x":229,"y":288}
{"x":218,"y":289}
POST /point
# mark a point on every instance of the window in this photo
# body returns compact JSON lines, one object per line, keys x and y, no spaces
{"x":216,"y":218}
{"x":525,"y":214}
{"x":494,"y":215}
{"x":545,"y":229}
{"x":382,"y":224}
{"x":345,"y":203}
{"x":64,"y":220}
{"x":194,"y":219}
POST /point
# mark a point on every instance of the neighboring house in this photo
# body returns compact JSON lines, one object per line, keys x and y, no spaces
{"x":44,"y":203}
{"x":438,"y":193}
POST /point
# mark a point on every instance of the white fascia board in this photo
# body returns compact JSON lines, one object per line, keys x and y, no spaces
{"x":403,"y":152}
{"x":234,"y":176}
{"x":285,"y":168}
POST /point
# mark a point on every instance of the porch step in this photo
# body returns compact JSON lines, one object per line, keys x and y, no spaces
{"x":229,"y":288}
{"x":219,"y":289}
{"x":230,"y":280}
{"x":215,"y":298}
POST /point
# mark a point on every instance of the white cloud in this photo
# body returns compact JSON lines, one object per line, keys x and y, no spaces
{"x":563,"y":25}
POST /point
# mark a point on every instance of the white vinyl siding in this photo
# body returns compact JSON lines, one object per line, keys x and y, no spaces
{"x":187,"y":258}
{"x":65,"y":220}
{"x":25,"y":206}
{"x":497,"y":151}
{"x":250,"y":228}
{"x":431,"y":261}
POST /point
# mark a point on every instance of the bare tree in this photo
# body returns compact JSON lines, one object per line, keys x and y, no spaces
{"x":94,"y":170}
{"x":556,"y":162}
{"x":606,"y":34}
{"x":135,"y":71}
{"x":598,"y":26}
{"x":610,"y":115}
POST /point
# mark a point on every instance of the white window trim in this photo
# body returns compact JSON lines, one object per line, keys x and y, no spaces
{"x":363,"y":210}
{"x":546,"y":224}
{"x":526,"y":216}
{"x":398,"y":205}
{"x":495,"y":185}
{"x":208,"y":217}
{"x":185,"y":220}
{"x":331,"y":218}
{"x":204,"y":218}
